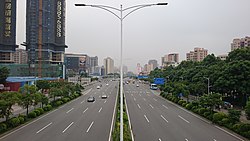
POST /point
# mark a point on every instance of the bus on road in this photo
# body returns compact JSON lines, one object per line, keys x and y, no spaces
{"x":153,"y":87}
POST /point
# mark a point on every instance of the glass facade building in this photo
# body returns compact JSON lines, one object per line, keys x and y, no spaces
{"x":7,"y":30}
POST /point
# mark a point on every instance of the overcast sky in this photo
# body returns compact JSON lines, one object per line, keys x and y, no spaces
{"x":152,"y":32}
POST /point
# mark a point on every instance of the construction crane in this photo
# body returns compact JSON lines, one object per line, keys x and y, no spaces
{"x":40,"y":21}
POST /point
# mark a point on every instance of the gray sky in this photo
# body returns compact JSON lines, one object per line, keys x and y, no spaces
{"x":152,"y":32}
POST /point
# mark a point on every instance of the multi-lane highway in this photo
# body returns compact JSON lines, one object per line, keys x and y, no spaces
{"x":155,"y":119}
{"x":78,"y":120}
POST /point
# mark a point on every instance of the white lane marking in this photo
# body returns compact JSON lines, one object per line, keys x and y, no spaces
{"x":151,"y":106}
{"x":214,"y":139}
{"x":82,"y":101}
{"x":165,"y":106}
{"x":44,"y":128}
{"x":69,"y":110}
{"x":67,"y":127}
{"x":144,"y":99}
{"x":87,"y":91}
{"x":155,"y":99}
{"x":229,"y":133}
{"x":134,"y":99}
{"x":27,"y":124}
{"x":186,"y":139}
{"x":139,"y":106}
{"x":146,"y":118}
{"x":100,"y":110}
{"x":105,"y":101}
{"x":164,"y":118}
{"x":85,"y":110}
{"x":90,"y":126}
{"x":183,"y":119}
{"x":159,"y":139}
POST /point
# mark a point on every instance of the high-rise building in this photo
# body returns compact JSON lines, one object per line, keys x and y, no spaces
{"x":138,"y":69}
{"x":93,"y":62}
{"x":20,"y":56}
{"x":108,"y":65}
{"x":240,"y":43}
{"x":197,"y":55}
{"x":45,"y":31}
{"x":7,"y":30}
{"x":170,"y":59}
{"x":153,"y":63}
{"x":77,"y":63}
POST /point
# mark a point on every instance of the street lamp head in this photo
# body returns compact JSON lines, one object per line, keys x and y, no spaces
{"x":80,"y":5}
{"x":162,"y":4}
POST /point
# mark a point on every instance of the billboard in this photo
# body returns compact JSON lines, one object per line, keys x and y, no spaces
{"x":159,"y":81}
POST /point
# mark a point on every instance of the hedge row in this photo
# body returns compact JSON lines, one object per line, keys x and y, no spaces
{"x":219,"y":118}
{"x":21,"y":119}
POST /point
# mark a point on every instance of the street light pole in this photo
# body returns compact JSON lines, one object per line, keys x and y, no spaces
{"x":121,"y":18}
{"x":121,"y":82}
{"x":208,"y":85}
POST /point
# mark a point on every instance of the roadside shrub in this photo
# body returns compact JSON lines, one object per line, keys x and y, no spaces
{"x":40,"y":110}
{"x":21,"y":119}
{"x":234,"y":115}
{"x":244,"y":127}
{"x":181,"y":101}
{"x":65,"y":100}
{"x":184,"y":104}
{"x":76,"y":95}
{"x":71,"y":97}
{"x":225,"y":121}
{"x":47,"y":108}
{"x":196,"y":110}
{"x":206,"y":114}
{"x":189,"y":106}
{"x":3,"y":127}
{"x":37,"y":112}
{"x":217,"y":117}
{"x":58,"y":103}
{"x":202,"y":111}
{"x":247,"y":109}
{"x":32,"y":114}
{"x":14,"y":122}
{"x":176,"y":100}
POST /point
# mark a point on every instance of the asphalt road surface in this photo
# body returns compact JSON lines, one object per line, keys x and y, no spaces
{"x":77,"y":120}
{"x":156,"y":119}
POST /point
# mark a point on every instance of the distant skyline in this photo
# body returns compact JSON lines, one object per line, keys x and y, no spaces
{"x":153,"y":32}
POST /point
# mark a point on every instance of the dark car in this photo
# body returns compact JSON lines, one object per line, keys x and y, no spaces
{"x":91,"y":99}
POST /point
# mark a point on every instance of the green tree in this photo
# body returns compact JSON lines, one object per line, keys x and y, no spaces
{"x":43,"y":85}
{"x":7,"y":100}
{"x":210,"y":100}
{"x":234,"y":115}
{"x":4,"y":73}
{"x":27,"y":96}
{"x":54,"y":92}
{"x":44,"y":100}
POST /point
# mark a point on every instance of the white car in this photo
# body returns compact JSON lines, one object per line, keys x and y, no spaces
{"x":98,"y":87}
{"x":104,"y":96}
{"x":137,"y":85}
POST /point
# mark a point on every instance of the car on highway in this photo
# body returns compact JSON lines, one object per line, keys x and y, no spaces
{"x":137,"y":85}
{"x":91,"y":99}
{"x":104,"y":96}
{"x":107,"y":84}
{"x":98,"y":87}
